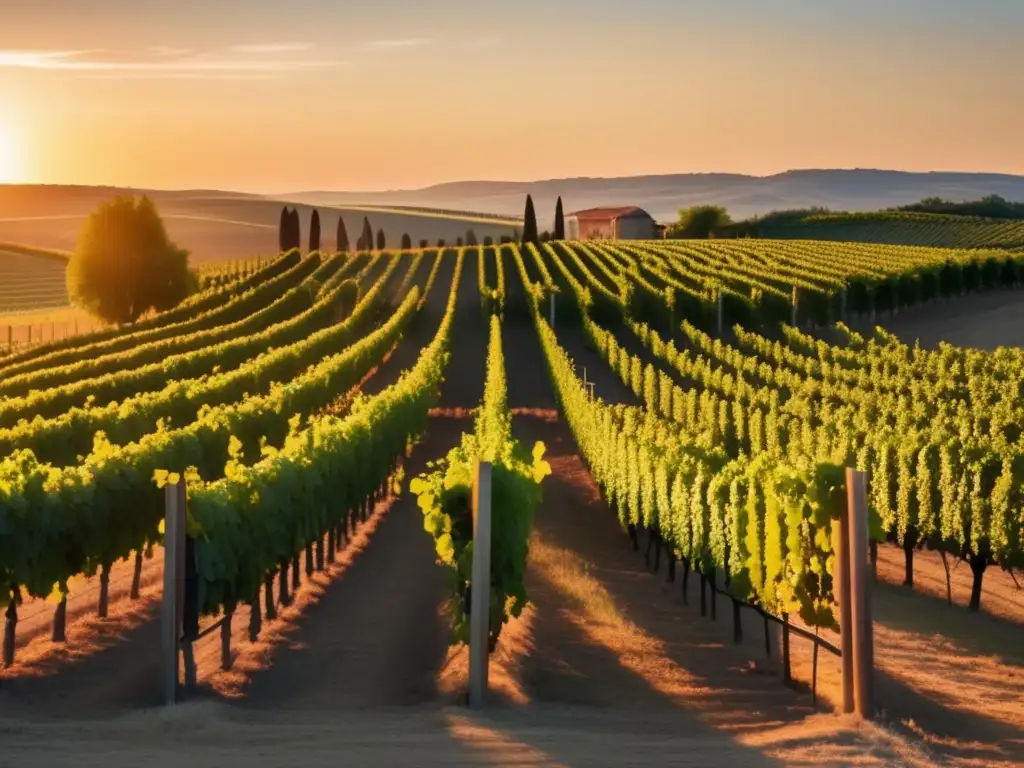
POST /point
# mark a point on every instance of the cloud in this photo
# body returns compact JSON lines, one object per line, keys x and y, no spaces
{"x":177,"y":76}
{"x":163,"y":65}
{"x":268,"y":48}
{"x":406,"y":43}
{"x":165,"y":50}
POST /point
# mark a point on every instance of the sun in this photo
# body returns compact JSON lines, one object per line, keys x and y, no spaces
{"x":10,"y":155}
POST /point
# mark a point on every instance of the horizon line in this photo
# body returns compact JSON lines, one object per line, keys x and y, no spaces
{"x":378,"y":191}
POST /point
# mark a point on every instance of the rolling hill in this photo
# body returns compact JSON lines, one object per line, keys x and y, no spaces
{"x":664,"y":195}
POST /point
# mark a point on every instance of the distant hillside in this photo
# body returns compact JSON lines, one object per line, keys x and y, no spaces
{"x":900,"y":228}
{"x":663,"y":196}
{"x":217,"y":226}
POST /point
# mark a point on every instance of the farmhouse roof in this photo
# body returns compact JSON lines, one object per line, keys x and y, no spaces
{"x":608,"y":213}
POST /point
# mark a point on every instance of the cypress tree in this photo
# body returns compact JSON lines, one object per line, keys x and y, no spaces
{"x":424,"y":244}
{"x":559,"y":220}
{"x":458,"y":242}
{"x":367,"y":236}
{"x":488,"y":240}
{"x":314,"y":231}
{"x":296,"y":230}
{"x":406,"y":242}
{"x":381,"y":242}
{"x":529,"y":222}
{"x":440,"y":243}
{"x":282,"y":230}
{"x":471,"y":238}
{"x":342,"y":236}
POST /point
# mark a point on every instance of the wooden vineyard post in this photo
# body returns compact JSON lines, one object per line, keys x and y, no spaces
{"x":480,"y":587}
{"x":721,"y":322}
{"x":841,"y":589}
{"x":174,"y":586}
{"x":860,"y":594}
{"x":793,"y":320}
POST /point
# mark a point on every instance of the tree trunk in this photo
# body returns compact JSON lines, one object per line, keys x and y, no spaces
{"x":309,"y":560}
{"x":787,"y":674}
{"x":671,"y":575}
{"x":282,"y":584}
{"x":60,"y":621}
{"x":10,"y":623}
{"x":909,"y":544}
{"x":136,"y":577}
{"x":873,"y":549}
{"x":647,"y":552}
{"x":225,"y":640}
{"x":978,"y":565}
{"x":268,"y":594}
{"x":104,"y":592}
{"x":657,"y":552}
{"x":296,"y":575}
{"x":320,"y":552}
{"x":737,"y":624}
{"x":633,"y":537}
{"x":332,"y":541}
{"x":949,"y":581}
{"x":686,"y":579}
{"x":255,"y":620}
{"x":703,"y":594}
{"x":713,"y":584}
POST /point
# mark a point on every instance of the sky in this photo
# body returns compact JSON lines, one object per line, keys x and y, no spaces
{"x":346,"y":95}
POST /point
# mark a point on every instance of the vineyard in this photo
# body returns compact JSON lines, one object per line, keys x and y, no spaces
{"x":907,"y":228}
{"x":706,"y":395}
{"x":31,"y":281}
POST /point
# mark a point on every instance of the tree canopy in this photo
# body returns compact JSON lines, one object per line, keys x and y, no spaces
{"x":125,"y":264}
{"x":559,"y":233}
{"x":700,"y":221}
{"x":343,"y":244}
{"x":314,"y":231}
{"x":529,"y":222}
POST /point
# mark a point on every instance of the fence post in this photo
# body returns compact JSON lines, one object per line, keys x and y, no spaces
{"x":860,"y":594}
{"x":551,"y":296}
{"x":718,"y":301}
{"x":793,"y":319}
{"x":841,"y":589}
{"x":480,"y":586}
{"x":174,"y":586}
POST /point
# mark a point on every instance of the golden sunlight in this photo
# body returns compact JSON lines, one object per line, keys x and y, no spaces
{"x":10,"y":155}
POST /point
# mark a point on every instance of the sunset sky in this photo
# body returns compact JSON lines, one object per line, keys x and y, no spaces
{"x":334,"y":94}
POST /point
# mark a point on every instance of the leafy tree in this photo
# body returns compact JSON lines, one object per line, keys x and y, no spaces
{"x":700,"y":221}
{"x":458,"y":242}
{"x":529,"y":222}
{"x":441,"y":243}
{"x":424,"y":244}
{"x":125,"y":264}
{"x":382,"y":243}
{"x":471,"y":237}
{"x":488,"y":240}
{"x":342,"y":236}
{"x":406,"y":242}
{"x":314,"y":231}
{"x":367,"y":237}
{"x":559,"y":221}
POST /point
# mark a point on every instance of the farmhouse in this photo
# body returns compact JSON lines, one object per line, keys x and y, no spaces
{"x":622,"y":223}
